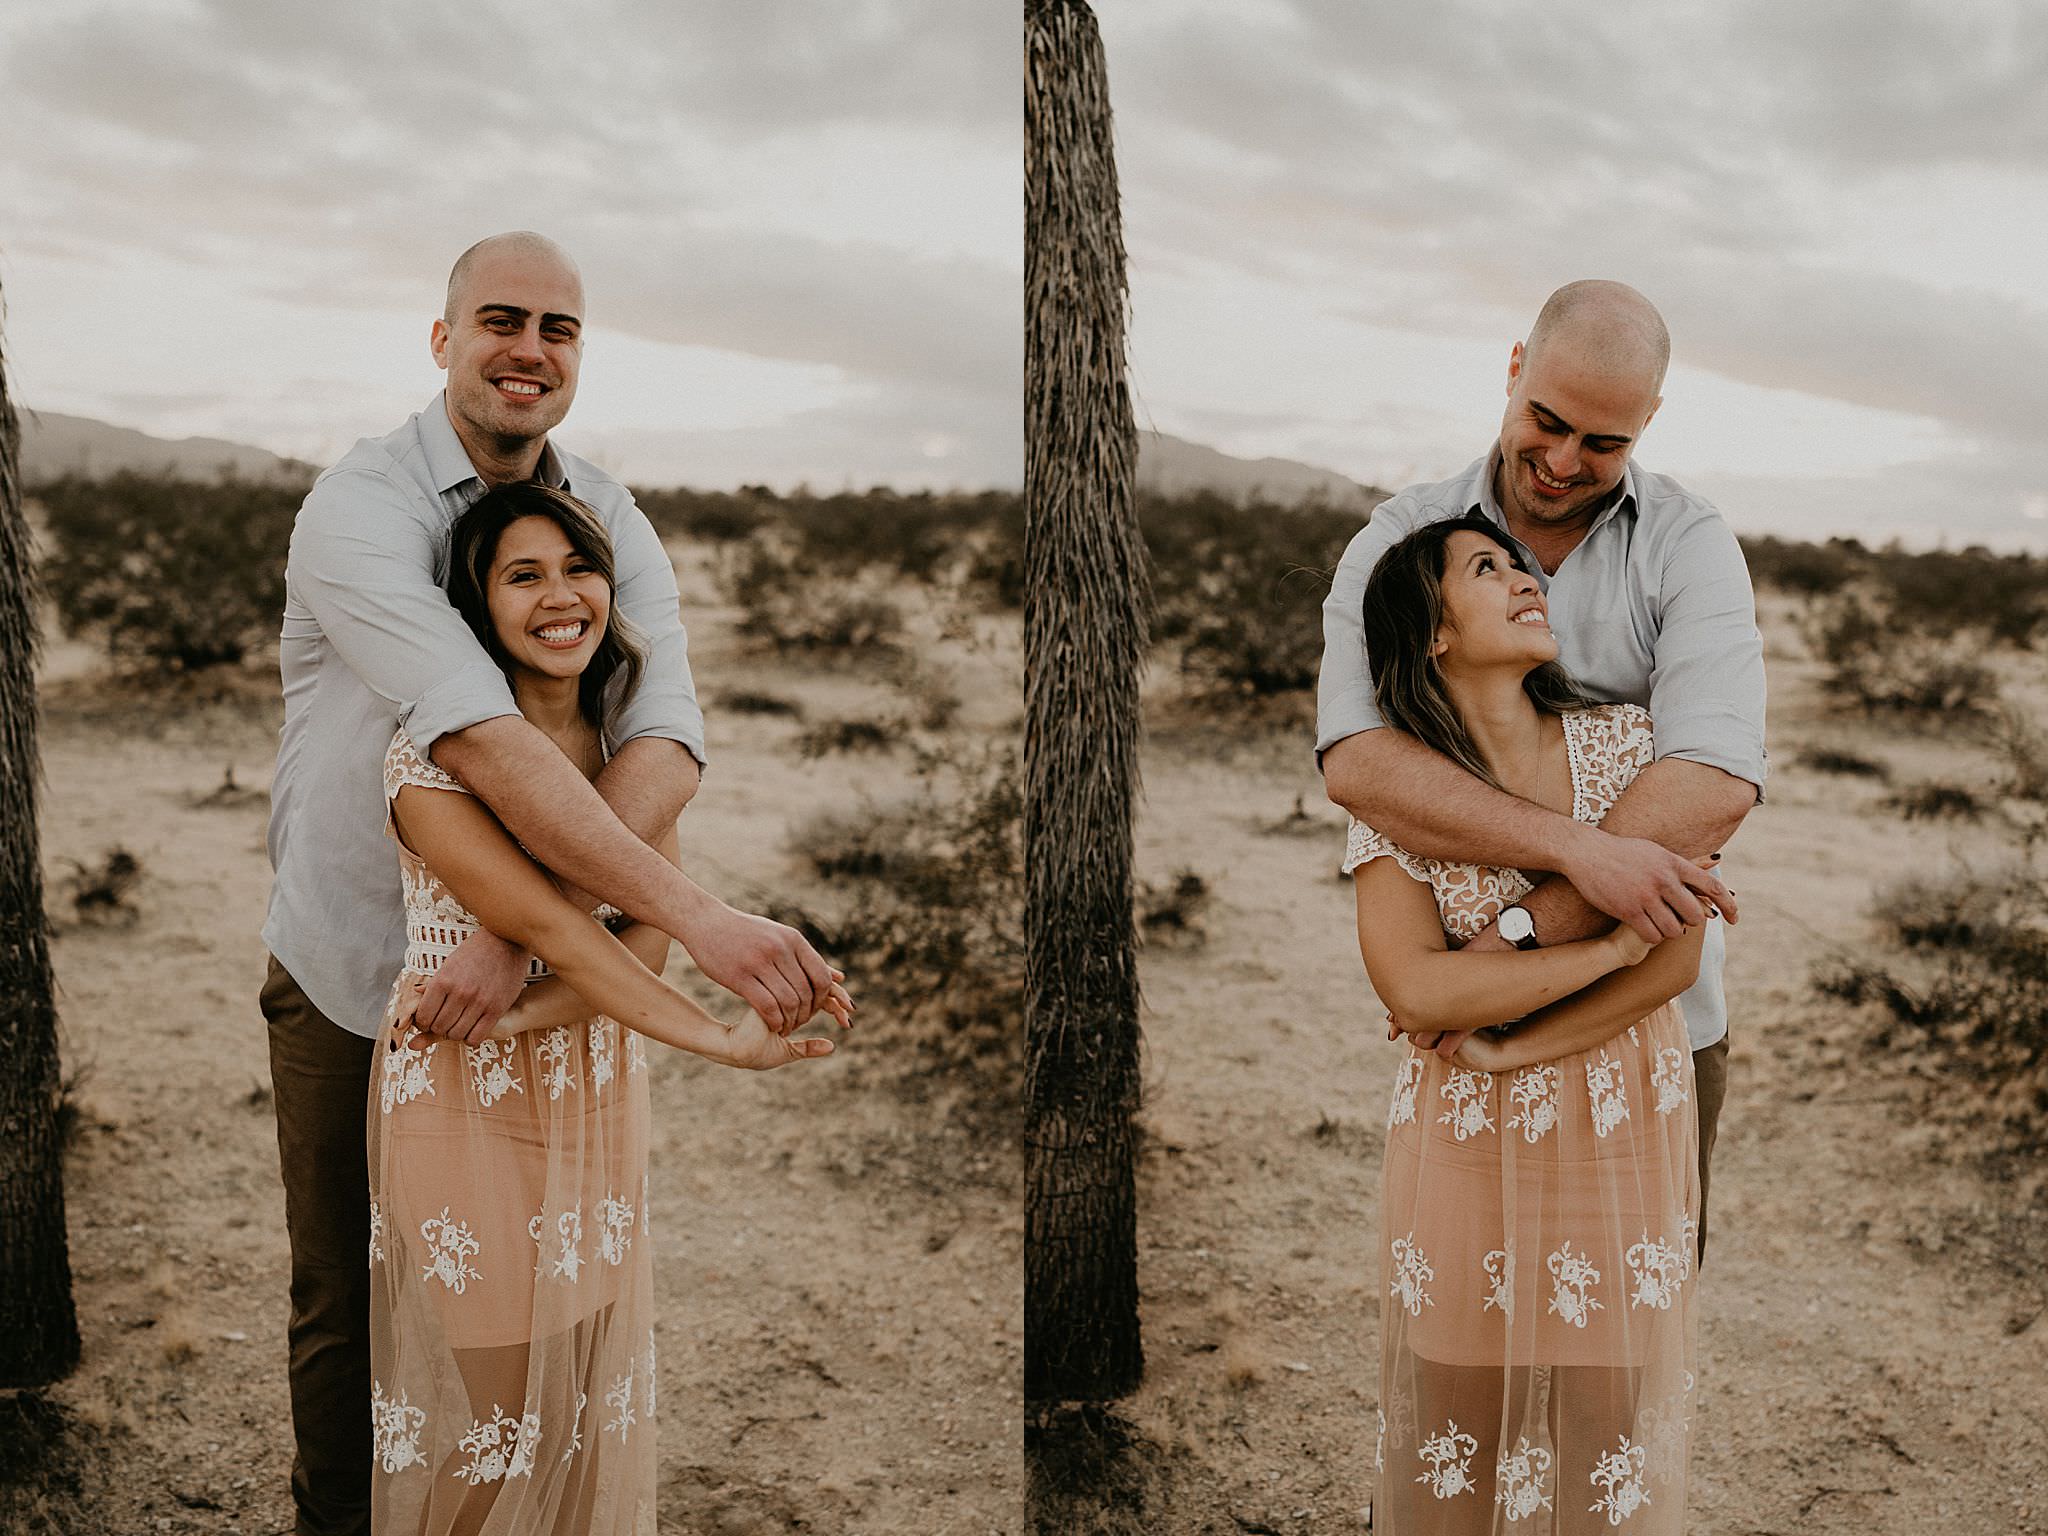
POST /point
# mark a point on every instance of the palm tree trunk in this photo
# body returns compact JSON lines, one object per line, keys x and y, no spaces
{"x":38,"y":1327}
{"x":1084,"y":641}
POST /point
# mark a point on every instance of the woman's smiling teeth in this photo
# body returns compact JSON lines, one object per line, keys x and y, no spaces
{"x":562,"y":634}
{"x":1531,"y":616}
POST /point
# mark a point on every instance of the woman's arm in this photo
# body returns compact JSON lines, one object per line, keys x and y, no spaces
{"x":551,"y":1002}
{"x":1429,"y":986}
{"x":1594,"y":1016}
{"x":514,"y":898}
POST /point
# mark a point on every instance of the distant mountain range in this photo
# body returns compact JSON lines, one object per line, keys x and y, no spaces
{"x":1173,"y":466}
{"x":53,"y":444}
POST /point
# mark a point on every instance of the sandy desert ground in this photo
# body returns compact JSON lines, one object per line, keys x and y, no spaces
{"x":840,"y":1272}
{"x":1873,"y":1358}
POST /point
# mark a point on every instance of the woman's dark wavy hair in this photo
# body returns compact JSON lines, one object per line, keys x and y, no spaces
{"x":1404,"y":608}
{"x":621,"y":655}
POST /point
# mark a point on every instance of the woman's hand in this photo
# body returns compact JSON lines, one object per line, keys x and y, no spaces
{"x":1484,"y":1051}
{"x":753,"y":1046}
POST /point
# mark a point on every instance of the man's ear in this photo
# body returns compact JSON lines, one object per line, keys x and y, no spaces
{"x":1516,"y":355}
{"x":1652,"y":416}
{"x":437,"y":343}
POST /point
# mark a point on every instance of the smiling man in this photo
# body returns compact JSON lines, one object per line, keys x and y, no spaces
{"x":370,"y":642}
{"x":1651,"y":604}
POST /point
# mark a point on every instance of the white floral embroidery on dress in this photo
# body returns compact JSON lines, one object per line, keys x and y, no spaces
{"x":1659,"y":1269}
{"x":1467,"y":1093}
{"x":646,"y":1206}
{"x":553,"y":1050}
{"x":1668,"y":1076}
{"x":1500,"y":1272}
{"x":648,"y":1401}
{"x":452,"y":1247}
{"x":636,"y":1052}
{"x":1379,"y":1444}
{"x":500,"y":1449}
{"x":1533,"y":1091}
{"x":490,"y":1071}
{"x":1520,"y":1481}
{"x":1575,"y":1276}
{"x":1407,"y":1084}
{"x":1411,"y":1269}
{"x":604,"y":1048}
{"x":567,"y":1232}
{"x":619,"y":1396}
{"x":1619,"y":1473}
{"x":1450,"y":1462}
{"x":1610,"y":1098}
{"x":576,"y":1427}
{"x":395,"y":1427}
{"x":614,"y":1228}
{"x":408,"y":1073}
{"x":376,"y":1234}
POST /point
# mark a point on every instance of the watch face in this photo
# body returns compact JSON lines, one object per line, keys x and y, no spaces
{"x":1516,"y":925}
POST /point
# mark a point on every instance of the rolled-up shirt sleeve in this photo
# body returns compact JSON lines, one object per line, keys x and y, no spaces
{"x":1344,"y":697}
{"x":362,"y":562}
{"x":1707,"y":682}
{"x":664,"y":704}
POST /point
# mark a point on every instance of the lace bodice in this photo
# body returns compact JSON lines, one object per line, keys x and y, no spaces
{"x":435,"y":921}
{"x":1608,"y":746}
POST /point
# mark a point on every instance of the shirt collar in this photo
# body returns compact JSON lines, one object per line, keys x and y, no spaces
{"x":1481,"y":497}
{"x":448,"y":461}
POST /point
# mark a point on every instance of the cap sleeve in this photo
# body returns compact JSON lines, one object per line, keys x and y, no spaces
{"x":1363,"y":844}
{"x":404,"y":764}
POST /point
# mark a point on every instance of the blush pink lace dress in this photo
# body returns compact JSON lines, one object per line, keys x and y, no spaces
{"x":511,"y":1304}
{"x":1537,"y":1243}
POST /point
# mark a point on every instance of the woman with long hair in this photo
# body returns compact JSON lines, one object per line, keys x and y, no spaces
{"x":512,"y":1339}
{"x":1539,"y":1191}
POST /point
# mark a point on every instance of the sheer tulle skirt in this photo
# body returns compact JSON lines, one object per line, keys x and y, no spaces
{"x":511,"y":1312}
{"x":1536,"y":1280}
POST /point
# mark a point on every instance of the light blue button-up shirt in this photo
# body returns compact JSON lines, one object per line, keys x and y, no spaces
{"x":1654,"y":607}
{"x":370,"y":642}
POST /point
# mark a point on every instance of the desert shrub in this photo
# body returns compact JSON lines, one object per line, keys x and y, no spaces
{"x":714,"y":517}
{"x":101,"y":892}
{"x":1878,"y":666}
{"x":1807,"y":569}
{"x":1846,"y":764}
{"x":1944,"y":592}
{"x":1969,"y":987}
{"x":789,"y":609}
{"x":1937,"y":800}
{"x":182,"y":574}
{"x":1239,"y":590}
{"x":930,"y":921}
{"x":748,"y":701}
{"x":850,"y":735}
{"x":1170,"y":915}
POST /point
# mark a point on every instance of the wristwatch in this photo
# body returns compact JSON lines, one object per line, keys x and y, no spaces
{"x":1517,"y":927}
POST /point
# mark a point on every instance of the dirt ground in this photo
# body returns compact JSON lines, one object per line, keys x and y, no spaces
{"x":1872,"y":1355}
{"x":839,"y":1276}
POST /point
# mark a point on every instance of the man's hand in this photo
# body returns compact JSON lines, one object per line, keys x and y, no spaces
{"x":472,"y":989}
{"x":1656,"y":892}
{"x":767,"y":965}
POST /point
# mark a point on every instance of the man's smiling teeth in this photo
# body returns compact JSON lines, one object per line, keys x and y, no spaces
{"x":518,"y":387}
{"x":1555,"y":485}
{"x":559,"y":633}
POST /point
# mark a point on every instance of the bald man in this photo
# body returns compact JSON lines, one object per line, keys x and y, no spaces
{"x":1651,"y":604}
{"x":370,"y":643}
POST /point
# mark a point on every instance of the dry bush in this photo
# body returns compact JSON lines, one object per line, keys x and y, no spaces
{"x":788,"y":607}
{"x":1937,"y":800}
{"x":1807,"y":569}
{"x":1169,"y":915}
{"x":746,"y":701}
{"x":850,"y":735}
{"x":1883,"y":668}
{"x":1846,"y":764}
{"x":1939,"y":592}
{"x":1969,"y":988}
{"x":927,"y":907}
{"x":1239,"y":590}
{"x":100,"y":893}
{"x":181,"y":574}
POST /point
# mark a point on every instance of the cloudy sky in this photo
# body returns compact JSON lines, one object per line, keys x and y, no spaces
{"x":799,"y":224}
{"x":1340,"y":216}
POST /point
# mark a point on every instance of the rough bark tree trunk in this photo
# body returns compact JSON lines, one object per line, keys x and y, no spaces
{"x":38,"y":1327}
{"x":1084,"y":643}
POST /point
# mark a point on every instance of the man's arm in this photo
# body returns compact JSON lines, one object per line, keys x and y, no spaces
{"x":1430,"y":806}
{"x":511,"y":766}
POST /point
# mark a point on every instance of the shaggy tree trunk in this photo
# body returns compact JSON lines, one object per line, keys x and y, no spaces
{"x":38,"y":1328}
{"x":1084,"y":641}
